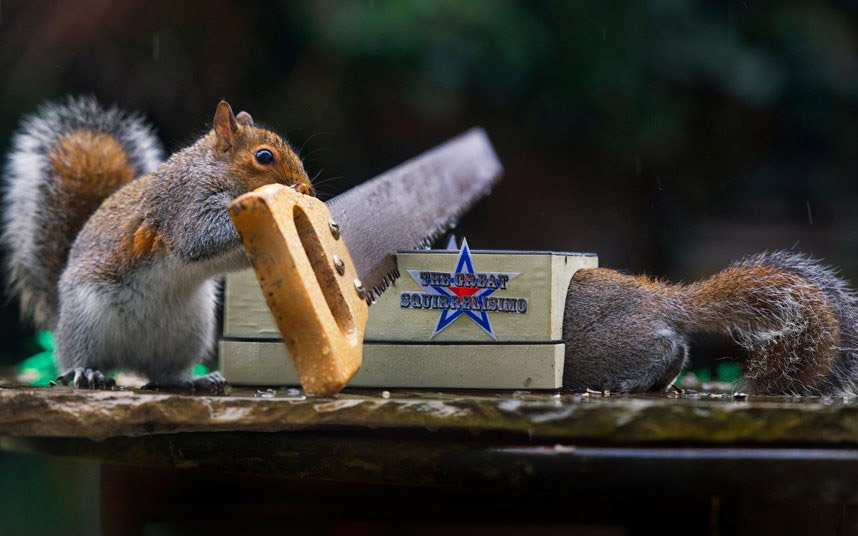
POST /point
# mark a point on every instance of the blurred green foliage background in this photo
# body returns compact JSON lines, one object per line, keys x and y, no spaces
{"x":667,"y":136}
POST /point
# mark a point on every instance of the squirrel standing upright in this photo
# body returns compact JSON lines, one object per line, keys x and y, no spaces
{"x":115,"y":251}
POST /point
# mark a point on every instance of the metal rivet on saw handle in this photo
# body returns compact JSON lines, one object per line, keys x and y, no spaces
{"x":335,"y":229}
{"x":339,"y":265}
{"x":360,"y":290}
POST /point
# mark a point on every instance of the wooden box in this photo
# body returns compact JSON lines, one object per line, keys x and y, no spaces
{"x":453,"y":319}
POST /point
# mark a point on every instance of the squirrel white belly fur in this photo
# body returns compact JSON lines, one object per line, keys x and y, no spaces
{"x":115,"y":251}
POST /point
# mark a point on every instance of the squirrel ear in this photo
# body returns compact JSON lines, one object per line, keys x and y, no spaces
{"x":225,"y":126}
{"x":244,"y":118}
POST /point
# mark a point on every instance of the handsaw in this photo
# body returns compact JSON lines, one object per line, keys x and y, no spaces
{"x":321,"y":264}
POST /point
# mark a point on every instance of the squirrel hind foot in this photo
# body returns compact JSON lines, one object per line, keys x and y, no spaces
{"x":83,"y":378}
{"x":212,"y":383}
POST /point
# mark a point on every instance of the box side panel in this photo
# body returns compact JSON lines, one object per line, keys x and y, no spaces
{"x":471,"y":366}
{"x":256,"y":363}
{"x":245,"y":312}
{"x":529,"y":279}
{"x":542,"y":281}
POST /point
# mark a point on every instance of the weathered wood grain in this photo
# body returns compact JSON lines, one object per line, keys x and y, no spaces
{"x":64,"y":412}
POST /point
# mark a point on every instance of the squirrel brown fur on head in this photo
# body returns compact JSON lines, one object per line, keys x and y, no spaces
{"x":240,"y":141}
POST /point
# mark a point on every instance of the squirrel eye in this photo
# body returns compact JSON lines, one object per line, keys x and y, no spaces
{"x":264,"y":157}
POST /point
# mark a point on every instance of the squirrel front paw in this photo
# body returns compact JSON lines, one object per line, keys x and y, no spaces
{"x":86,"y":378}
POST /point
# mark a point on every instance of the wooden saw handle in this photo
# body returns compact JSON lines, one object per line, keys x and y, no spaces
{"x":309,"y":281}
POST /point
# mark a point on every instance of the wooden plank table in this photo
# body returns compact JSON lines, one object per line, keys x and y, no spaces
{"x":505,"y":444}
{"x":703,"y":419}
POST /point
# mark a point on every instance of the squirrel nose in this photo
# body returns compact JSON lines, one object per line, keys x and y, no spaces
{"x":304,"y":188}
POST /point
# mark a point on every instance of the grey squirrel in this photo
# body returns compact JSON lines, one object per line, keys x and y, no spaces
{"x":115,"y":251}
{"x":795,"y":318}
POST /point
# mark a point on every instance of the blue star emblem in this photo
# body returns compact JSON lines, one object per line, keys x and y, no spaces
{"x":464,"y":265}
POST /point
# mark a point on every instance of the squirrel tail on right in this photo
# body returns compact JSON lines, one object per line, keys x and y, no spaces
{"x":64,"y":161}
{"x":795,"y":317}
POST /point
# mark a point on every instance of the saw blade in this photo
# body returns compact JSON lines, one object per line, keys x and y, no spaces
{"x":413,"y":204}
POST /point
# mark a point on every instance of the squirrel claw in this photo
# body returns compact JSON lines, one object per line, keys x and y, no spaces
{"x":85,"y":378}
{"x":212,"y":382}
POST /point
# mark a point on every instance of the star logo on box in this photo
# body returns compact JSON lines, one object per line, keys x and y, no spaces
{"x":463,"y":292}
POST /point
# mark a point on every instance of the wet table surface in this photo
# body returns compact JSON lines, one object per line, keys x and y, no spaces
{"x":688,"y":417}
{"x":428,"y":437}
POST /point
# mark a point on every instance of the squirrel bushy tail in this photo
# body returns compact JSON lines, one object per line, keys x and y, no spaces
{"x":796,"y":319}
{"x":64,"y":161}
